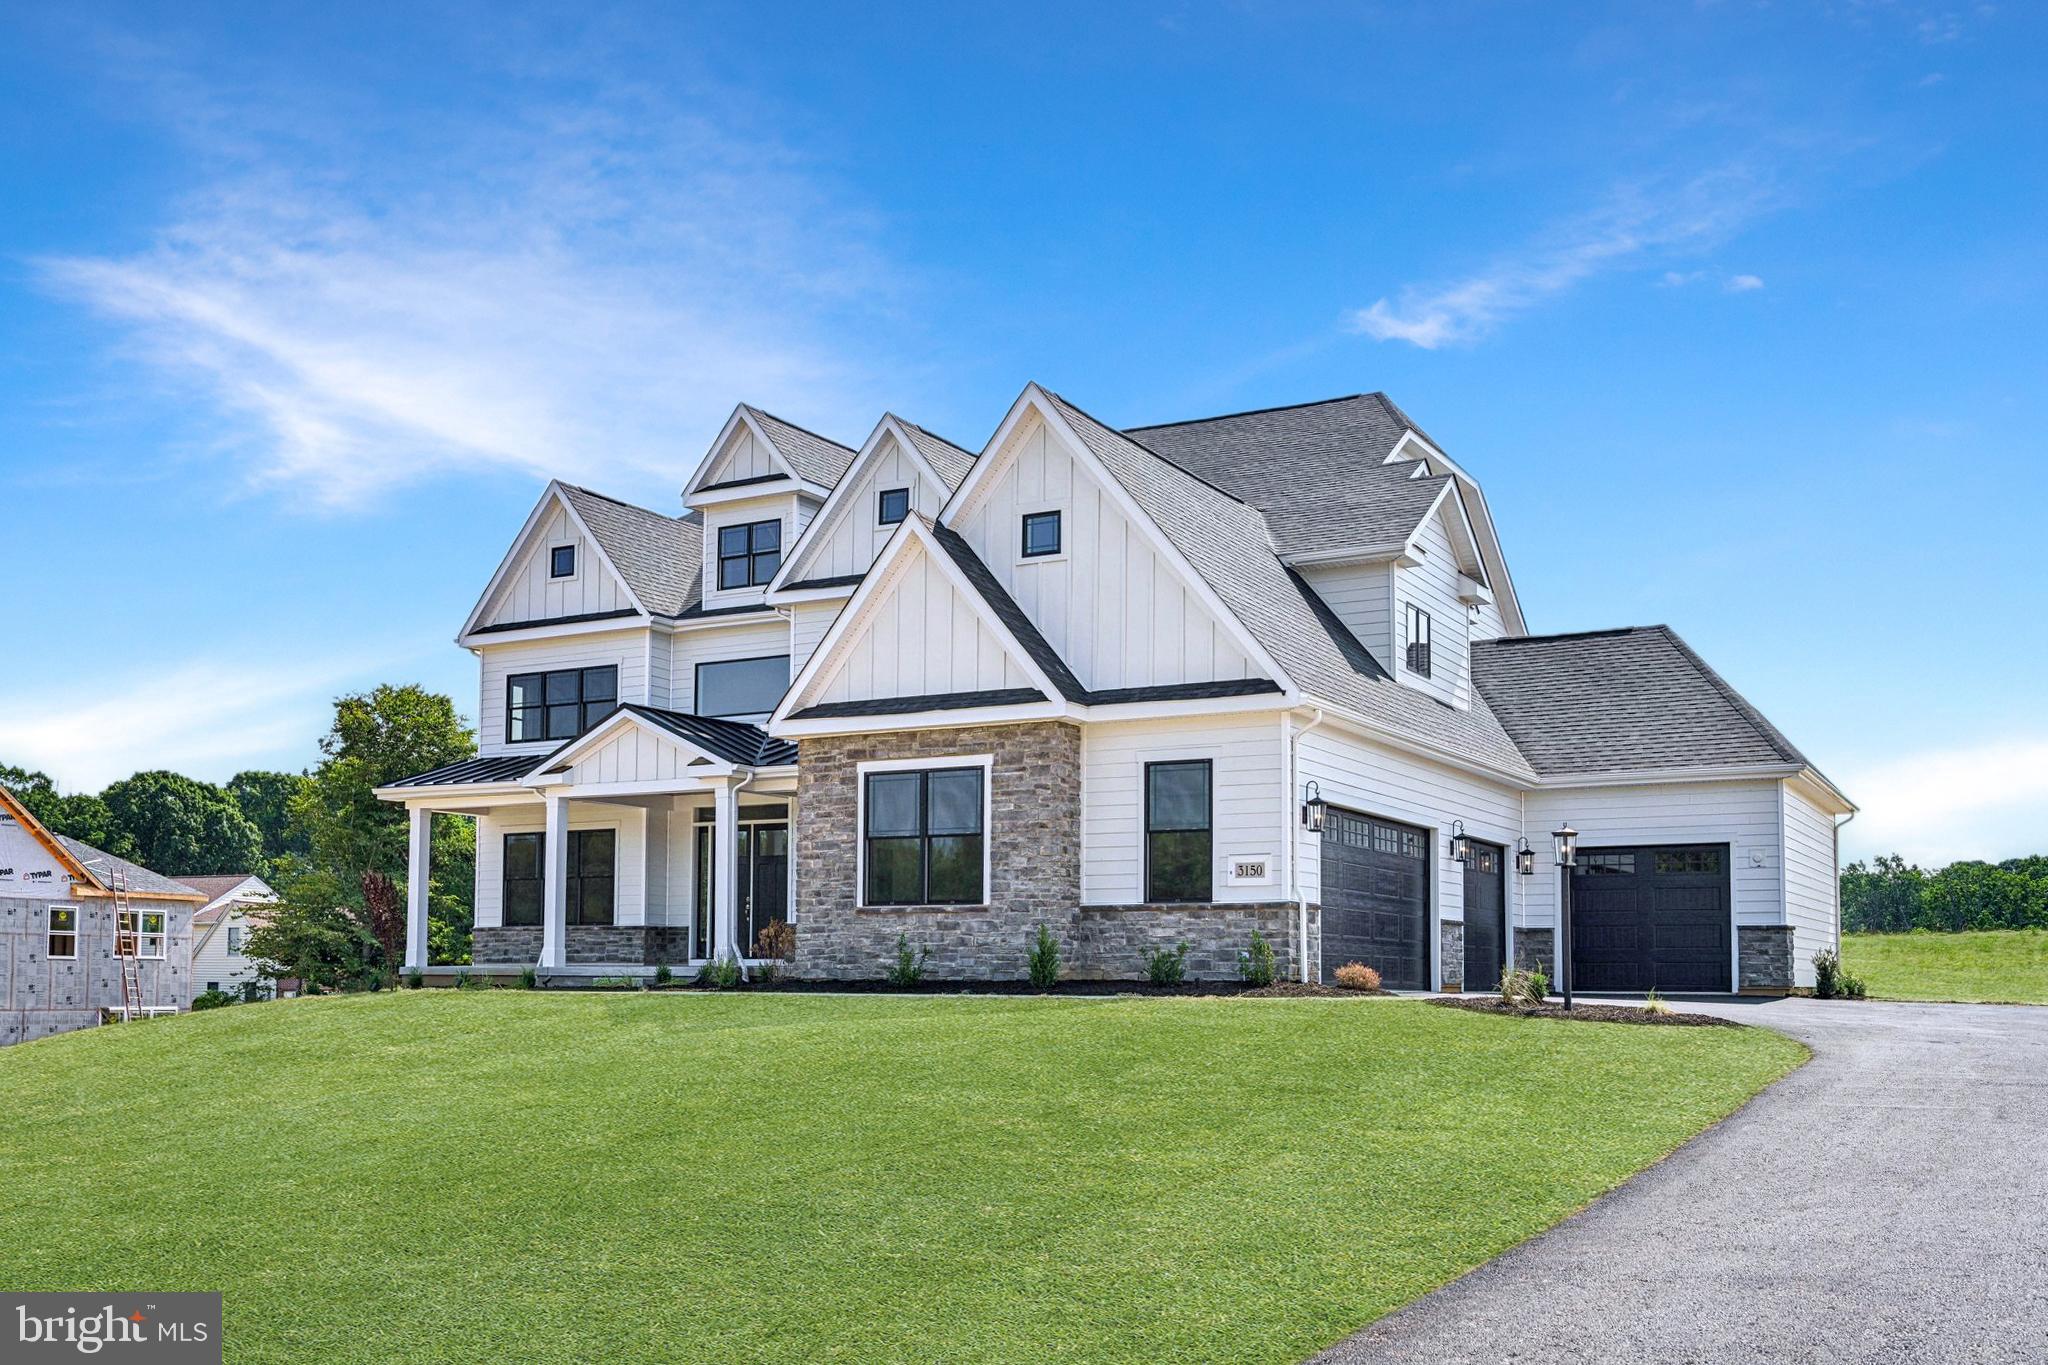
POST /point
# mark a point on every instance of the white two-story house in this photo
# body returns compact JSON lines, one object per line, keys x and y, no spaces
{"x":1180,"y":683}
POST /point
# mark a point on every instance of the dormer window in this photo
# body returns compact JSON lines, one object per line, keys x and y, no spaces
{"x":562,"y":562}
{"x":1418,"y":640}
{"x":1041,"y":534}
{"x":892,"y":505}
{"x":749,"y":555}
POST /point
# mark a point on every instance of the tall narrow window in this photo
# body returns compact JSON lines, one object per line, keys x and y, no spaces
{"x":558,"y":705}
{"x":63,"y":933}
{"x":700,"y":923}
{"x":1418,"y":640}
{"x":1177,"y":835}
{"x":592,"y":853}
{"x":1041,"y":534}
{"x":234,"y":940}
{"x":523,"y":867}
{"x":892,"y":505}
{"x":562,"y":562}
{"x":924,"y":837}
{"x":749,"y":554}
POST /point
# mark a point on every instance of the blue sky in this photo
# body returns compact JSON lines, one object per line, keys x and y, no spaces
{"x":1735,"y":309}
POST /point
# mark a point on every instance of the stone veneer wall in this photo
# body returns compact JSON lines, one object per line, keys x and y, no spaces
{"x":1034,"y":847}
{"x":1111,"y":942}
{"x":1451,"y":953}
{"x":1764,"y":956}
{"x":588,"y":944}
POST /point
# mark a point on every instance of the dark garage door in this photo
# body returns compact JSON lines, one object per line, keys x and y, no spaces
{"x":1376,"y":898}
{"x":1653,"y":917}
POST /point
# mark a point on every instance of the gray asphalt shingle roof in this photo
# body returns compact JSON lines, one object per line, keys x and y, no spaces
{"x":658,"y":556}
{"x":1621,"y":700}
{"x":812,"y":456}
{"x":107,"y":867}
{"x":947,"y":460}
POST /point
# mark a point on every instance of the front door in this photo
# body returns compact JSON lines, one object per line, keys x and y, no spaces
{"x":1485,"y":917}
{"x":763,"y":881}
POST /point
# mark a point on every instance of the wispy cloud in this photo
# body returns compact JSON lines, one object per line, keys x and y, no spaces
{"x":226,"y":714}
{"x":617,"y":274}
{"x":1743,"y":284}
{"x":1638,"y":224}
{"x":1976,"y":801}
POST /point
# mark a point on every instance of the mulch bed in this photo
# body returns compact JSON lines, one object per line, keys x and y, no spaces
{"x":1597,"y":1014}
{"x":1278,"y":990}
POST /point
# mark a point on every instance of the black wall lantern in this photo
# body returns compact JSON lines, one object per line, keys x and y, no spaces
{"x":1461,"y":847}
{"x":1525,"y":859}
{"x":1313,"y":808}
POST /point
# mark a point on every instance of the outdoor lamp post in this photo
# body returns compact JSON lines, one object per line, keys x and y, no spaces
{"x":1567,"y":855}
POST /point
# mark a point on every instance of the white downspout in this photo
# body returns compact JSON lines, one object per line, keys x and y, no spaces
{"x":1840,"y":825}
{"x":1293,"y":840}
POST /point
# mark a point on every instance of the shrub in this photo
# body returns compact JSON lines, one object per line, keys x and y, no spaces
{"x":1525,"y":987}
{"x":415,"y":978}
{"x":1167,"y":966}
{"x":722,"y":975}
{"x":464,"y":981}
{"x":908,"y":969}
{"x":211,"y":999}
{"x":529,"y":979}
{"x":1654,"y":1003}
{"x":1256,"y":965}
{"x":1044,"y":966}
{"x":1356,"y":976}
{"x":663,"y":975}
{"x":1831,"y":981}
{"x":776,"y":941}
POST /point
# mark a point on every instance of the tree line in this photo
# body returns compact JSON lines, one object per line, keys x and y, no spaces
{"x":335,"y":854}
{"x":1891,"y":896}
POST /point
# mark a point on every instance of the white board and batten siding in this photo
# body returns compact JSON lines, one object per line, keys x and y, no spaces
{"x":849,"y":540}
{"x":1247,"y":794}
{"x":1812,"y":878}
{"x":530,"y":593}
{"x":1432,"y":585}
{"x":1742,"y":815}
{"x":753,"y":638}
{"x":1110,"y":604}
{"x":630,"y":883}
{"x":1355,"y":774}
{"x":808,"y":622}
{"x":919,"y":636}
{"x":626,"y":650}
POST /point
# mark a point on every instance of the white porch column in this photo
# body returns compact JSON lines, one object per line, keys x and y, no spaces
{"x":725,"y":901}
{"x":418,"y":864}
{"x":554,"y":909}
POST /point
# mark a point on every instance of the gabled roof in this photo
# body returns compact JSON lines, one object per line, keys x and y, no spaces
{"x":658,"y":556}
{"x":947,"y":460}
{"x":105,"y":867}
{"x":734,"y":741}
{"x":1628,"y":700}
{"x":813,"y":457}
{"x":1007,"y":611}
{"x":223,"y":894}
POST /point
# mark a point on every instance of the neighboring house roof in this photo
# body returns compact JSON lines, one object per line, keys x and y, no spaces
{"x":1621,"y":701}
{"x":948,"y":461}
{"x":105,"y":867}
{"x":1228,"y":543}
{"x":1317,"y":470}
{"x":658,"y":556}
{"x":226,"y":892}
{"x":812,"y":456}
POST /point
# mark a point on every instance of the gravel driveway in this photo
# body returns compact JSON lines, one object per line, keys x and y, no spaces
{"x":1886,"y":1202}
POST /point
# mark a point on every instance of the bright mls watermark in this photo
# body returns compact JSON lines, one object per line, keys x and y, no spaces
{"x":171,"y":1329}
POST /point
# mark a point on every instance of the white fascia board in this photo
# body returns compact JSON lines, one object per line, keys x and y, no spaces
{"x":482,"y":640}
{"x":1818,"y":782}
{"x":662,"y":786}
{"x":1377,"y":732}
{"x":1412,"y":445}
{"x":927,"y":720}
{"x":1361,"y":554}
{"x":787,"y":596}
{"x":1649,"y":777}
{"x":1463,"y":538}
{"x":683,"y":625}
{"x":835,"y":501}
{"x":1035,"y":399}
{"x":780,"y":487}
{"x":463,"y":796}
{"x":1205,"y":706}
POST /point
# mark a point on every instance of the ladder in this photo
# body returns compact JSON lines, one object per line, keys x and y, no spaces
{"x":127,"y":949}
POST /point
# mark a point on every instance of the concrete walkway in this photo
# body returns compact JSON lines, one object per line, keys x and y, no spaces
{"x":1886,"y":1202}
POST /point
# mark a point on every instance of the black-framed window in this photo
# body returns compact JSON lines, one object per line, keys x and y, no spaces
{"x":892,"y":505}
{"x":1178,"y":838}
{"x":559,"y":705}
{"x":749,"y":554}
{"x":593,"y":877}
{"x":593,"y":855}
{"x":741,"y":687}
{"x":1418,"y":640}
{"x":562,"y":562}
{"x":923,"y":837}
{"x":525,"y":864}
{"x":1041,"y":534}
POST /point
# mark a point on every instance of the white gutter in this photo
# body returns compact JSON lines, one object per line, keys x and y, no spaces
{"x":1293,"y":858}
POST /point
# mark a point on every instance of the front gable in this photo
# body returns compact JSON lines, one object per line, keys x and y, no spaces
{"x":626,"y":750}
{"x":843,"y":540}
{"x":1118,"y":602}
{"x":32,"y":863}
{"x":525,"y":590}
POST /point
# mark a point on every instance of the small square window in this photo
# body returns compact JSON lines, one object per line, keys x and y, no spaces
{"x":1041,"y":534}
{"x":562,"y":562}
{"x":892,"y":505}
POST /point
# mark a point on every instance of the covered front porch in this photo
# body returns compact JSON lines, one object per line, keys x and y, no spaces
{"x":645,"y":843}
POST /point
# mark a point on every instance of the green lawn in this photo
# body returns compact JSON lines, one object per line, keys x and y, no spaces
{"x":467,"y":1175}
{"x":2007,"y":965}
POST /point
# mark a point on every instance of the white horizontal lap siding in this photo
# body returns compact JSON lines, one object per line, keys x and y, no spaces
{"x":1358,"y":775}
{"x":627,"y":650}
{"x":1109,"y":604}
{"x":214,"y":962}
{"x":1743,"y":815}
{"x":1488,"y":624}
{"x":629,"y":883}
{"x":1811,"y":880}
{"x":1433,"y":586}
{"x":920,"y":638}
{"x":1361,"y":595}
{"x":1247,"y":775}
{"x":808,"y":622}
{"x":752,"y":639}
{"x":530,"y":593}
{"x":854,"y":536}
